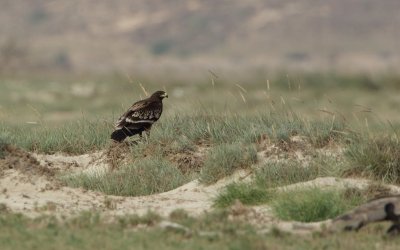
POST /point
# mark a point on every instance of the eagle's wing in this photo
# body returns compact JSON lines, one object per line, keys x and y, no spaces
{"x":140,"y":113}
{"x":372,"y":211}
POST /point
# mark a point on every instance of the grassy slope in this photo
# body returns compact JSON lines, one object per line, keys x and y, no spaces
{"x":233,"y":135}
{"x":232,"y":145}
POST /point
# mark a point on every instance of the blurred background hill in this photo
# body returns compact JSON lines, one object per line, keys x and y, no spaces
{"x":102,"y":36}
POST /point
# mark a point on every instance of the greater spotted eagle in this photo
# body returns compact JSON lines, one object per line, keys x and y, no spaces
{"x":139,"y":117}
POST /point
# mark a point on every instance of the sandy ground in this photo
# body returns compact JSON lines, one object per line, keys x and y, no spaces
{"x":34,"y":193}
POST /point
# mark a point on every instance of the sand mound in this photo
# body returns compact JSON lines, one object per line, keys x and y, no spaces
{"x":32,"y":193}
{"x":16,"y":158}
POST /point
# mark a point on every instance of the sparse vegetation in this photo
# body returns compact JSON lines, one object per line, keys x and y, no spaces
{"x":313,"y":204}
{"x":271,"y":175}
{"x":274,"y":174}
{"x":246,"y":193}
{"x":224,"y":159}
{"x":377,"y":157}
{"x":322,"y":133}
{"x":147,"y":176}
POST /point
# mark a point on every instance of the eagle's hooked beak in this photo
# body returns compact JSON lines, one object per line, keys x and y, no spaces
{"x":165,"y":95}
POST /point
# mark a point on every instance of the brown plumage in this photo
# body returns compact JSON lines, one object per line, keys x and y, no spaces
{"x":381,"y":209}
{"x":139,"y":117}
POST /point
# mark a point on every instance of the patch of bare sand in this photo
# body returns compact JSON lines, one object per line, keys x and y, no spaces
{"x":87,"y":163}
{"x":16,"y":158}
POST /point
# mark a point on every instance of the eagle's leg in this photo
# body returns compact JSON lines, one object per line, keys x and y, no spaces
{"x":147,"y":135}
{"x":141,"y":136}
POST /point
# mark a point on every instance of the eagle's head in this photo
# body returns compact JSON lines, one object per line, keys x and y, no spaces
{"x":159,"y":94}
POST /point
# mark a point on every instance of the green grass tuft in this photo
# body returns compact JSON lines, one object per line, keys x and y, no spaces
{"x":321,"y":134}
{"x":273,"y":174}
{"x":246,"y":193}
{"x":312,"y":204}
{"x":224,"y":159}
{"x":144,"y":177}
{"x":377,"y":157}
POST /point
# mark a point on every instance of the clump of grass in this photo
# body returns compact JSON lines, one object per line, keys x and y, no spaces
{"x":377,"y":157}
{"x":246,"y":193}
{"x":321,"y":134}
{"x":273,"y":174}
{"x":269,"y":176}
{"x":148,"y":176}
{"x":75,"y":137}
{"x":224,"y":159}
{"x":312,"y":204}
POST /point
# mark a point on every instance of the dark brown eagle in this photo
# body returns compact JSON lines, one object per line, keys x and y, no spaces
{"x":381,"y":209}
{"x":139,"y":117}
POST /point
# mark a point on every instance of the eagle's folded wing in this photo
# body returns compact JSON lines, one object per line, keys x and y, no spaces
{"x":142,"y":112}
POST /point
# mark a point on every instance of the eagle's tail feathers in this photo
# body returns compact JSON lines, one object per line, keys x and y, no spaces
{"x":118,"y":135}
